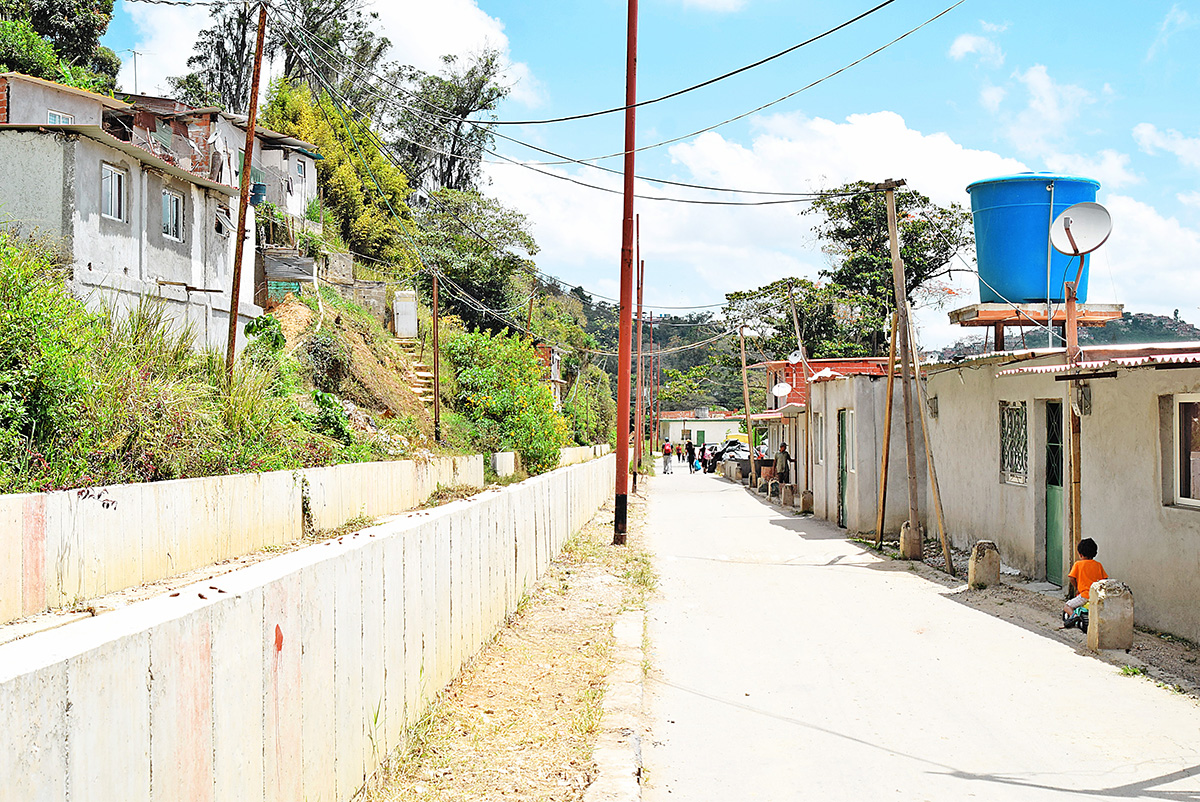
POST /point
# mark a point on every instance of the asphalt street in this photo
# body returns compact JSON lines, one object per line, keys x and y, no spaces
{"x":790,"y":664}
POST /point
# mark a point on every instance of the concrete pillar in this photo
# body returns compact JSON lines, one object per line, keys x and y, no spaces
{"x":1110,"y":615}
{"x":806,"y":501}
{"x":984,"y":568}
{"x":787,"y":495}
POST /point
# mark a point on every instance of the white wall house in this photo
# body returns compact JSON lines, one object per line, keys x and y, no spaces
{"x":700,"y":426}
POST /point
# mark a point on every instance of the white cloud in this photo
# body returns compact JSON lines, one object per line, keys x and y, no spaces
{"x":164,"y":44}
{"x":420,"y":33}
{"x":994,"y":27}
{"x":1189,"y":198}
{"x":990,"y":97}
{"x":1151,"y":140}
{"x":969,"y":43}
{"x":1042,"y":124}
{"x":1108,"y":167}
{"x":1176,"y":20}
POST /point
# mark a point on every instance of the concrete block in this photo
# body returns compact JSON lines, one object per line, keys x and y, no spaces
{"x":394,"y":663}
{"x":443,"y":632}
{"x":1110,"y":615}
{"x":349,"y":705}
{"x":108,"y":723}
{"x":806,"y":501}
{"x":33,"y":737}
{"x":984,"y":567}
{"x":787,"y":495}
{"x":374,"y":629}
{"x":282,"y":643}
{"x":318,"y":724}
{"x":181,"y":714}
{"x":417,"y":562}
{"x":504,"y":463}
{"x":34,"y":568}
{"x":12,"y":513}
{"x":238,"y":710}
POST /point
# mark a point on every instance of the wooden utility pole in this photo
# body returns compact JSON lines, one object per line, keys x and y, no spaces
{"x":652,"y":391}
{"x":235,"y":291}
{"x":1076,"y":390}
{"x":887,"y":438}
{"x":437,"y":361}
{"x":621,"y":502}
{"x":746,"y":403}
{"x":934,"y":490}
{"x":910,"y":538}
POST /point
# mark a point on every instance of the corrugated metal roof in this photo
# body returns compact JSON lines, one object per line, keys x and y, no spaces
{"x":1128,"y":362}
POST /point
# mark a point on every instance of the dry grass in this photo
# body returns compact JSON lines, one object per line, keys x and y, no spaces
{"x":522,"y":719}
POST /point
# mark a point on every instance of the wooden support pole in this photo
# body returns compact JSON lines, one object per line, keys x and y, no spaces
{"x":746,"y":402}
{"x":887,"y":437}
{"x":235,"y":290}
{"x":639,"y":413}
{"x":998,"y":337}
{"x":910,"y":539}
{"x":935,"y":491}
{"x":1076,"y":479}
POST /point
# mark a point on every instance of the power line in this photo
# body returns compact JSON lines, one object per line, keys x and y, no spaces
{"x":702,"y":84}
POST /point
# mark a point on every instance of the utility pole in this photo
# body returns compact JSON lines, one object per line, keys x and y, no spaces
{"x":235,"y":291}
{"x":621,"y":504}
{"x":746,"y":402}
{"x":652,"y":392}
{"x":437,"y":373}
{"x":910,"y":538}
{"x":639,"y":413}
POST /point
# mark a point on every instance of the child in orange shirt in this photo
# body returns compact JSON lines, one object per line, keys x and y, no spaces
{"x":1083,"y":573}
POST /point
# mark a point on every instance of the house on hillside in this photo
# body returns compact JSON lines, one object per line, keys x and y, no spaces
{"x":551,"y":358}
{"x":140,"y":197}
{"x":701,"y":426}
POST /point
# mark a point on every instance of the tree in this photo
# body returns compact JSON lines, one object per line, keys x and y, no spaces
{"x":854,"y":234}
{"x":361,"y":188}
{"x":223,"y":59}
{"x":479,"y":244}
{"x":69,"y":49}
{"x":440,"y":147}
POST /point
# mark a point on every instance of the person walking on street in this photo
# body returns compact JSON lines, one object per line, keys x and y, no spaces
{"x":666,"y":456}
{"x":690,"y":450}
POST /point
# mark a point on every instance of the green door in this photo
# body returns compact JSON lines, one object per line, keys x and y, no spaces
{"x":699,"y":437}
{"x":842,"y":469}
{"x":1054,"y":492}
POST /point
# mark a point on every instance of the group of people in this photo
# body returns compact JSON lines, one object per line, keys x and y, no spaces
{"x":682,"y":453}
{"x":687,"y":453}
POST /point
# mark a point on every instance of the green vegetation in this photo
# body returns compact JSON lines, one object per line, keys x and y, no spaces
{"x":90,"y":398}
{"x":502,"y":399}
{"x":59,"y":40}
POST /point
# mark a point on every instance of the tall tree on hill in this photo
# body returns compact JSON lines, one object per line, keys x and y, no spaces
{"x":222,"y":61}
{"x":440,"y":145}
{"x":73,"y":28}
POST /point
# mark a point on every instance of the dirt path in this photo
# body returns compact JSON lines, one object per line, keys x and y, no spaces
{"x":521,"y":721}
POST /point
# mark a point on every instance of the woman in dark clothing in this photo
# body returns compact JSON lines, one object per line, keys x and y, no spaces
{"x":691,"y":456}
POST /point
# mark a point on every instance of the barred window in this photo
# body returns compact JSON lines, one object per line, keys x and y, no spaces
{"x":1014,"y":442}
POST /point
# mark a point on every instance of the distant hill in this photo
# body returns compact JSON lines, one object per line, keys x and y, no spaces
{"x":1131,"y":329}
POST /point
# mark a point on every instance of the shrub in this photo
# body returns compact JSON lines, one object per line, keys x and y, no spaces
{"x":22,"y":50}
{"x":500,"y":390}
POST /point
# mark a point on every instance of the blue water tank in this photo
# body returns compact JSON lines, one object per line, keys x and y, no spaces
{"x":1012,"y":216}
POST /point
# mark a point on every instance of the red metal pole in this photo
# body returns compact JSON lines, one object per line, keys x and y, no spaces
{"x":624,"y":350}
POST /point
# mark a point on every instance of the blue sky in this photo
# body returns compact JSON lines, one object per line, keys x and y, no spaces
{"x":1102,"y":89}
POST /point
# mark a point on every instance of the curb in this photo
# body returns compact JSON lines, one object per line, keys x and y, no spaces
{"x":618,"y":751}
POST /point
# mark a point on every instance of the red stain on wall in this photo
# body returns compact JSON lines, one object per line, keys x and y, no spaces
{"x":278,"y":639}
{"x":33,"y":554}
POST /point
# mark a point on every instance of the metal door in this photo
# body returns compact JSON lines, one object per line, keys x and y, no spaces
{"x":842,"y":469}
{"x":1054,"y":492}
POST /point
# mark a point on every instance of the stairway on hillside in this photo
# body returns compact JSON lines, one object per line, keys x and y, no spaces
{"x":420,"y":381}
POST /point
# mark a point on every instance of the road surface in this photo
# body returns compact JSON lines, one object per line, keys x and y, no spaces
{"x":789,"y":664}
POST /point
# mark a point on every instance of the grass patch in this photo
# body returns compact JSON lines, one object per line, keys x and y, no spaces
{"x":1133,"y":671}
{"x":445,"y":494}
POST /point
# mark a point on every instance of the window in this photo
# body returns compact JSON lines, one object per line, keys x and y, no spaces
{"x":1187,"y":447}
{"x":224,"y":225}
{"x":112,"y":192}
{"x":1014,"y":443}
{"x":172,"y":215}
{"x":300,"y":169}
{"x":818,"y":438}
{"x":59,"y":118}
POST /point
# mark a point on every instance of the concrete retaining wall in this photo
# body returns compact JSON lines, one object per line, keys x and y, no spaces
{"x":578,"y":454}
{"x":56,"y":548}
{"x":295,"y":678}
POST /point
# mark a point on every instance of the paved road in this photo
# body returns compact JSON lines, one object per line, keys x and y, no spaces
{"x":789,"y":664}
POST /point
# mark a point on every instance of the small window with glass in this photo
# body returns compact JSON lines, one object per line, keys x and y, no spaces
{"x":818,"y":438}
{"x":1187,"y":449}
{"x":172,"y":215}
{"x":59,"y":118}
{"x":300,"y":169}
{"x":112,"y":192}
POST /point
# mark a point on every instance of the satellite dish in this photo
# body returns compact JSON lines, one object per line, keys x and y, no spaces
{"x":781,"y":390}
{"x":1080,"y":229}
{"x":795,"y":357}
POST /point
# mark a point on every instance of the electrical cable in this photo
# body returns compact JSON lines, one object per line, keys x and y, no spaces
{"x":702,"y":84}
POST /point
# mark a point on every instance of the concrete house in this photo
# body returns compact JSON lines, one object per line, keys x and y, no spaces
{"x":701,"y":426}
{"x":131,"y":223}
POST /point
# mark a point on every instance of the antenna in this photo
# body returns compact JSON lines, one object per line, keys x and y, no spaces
{"x":1078,"y":231}
{"x":1081,"y":229}
{"x":795,"y":357}
{"x":781,"y":390}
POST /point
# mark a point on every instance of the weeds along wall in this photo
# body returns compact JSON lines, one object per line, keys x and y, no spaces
{"x":296,"y":676}
{"x":62,"y":547}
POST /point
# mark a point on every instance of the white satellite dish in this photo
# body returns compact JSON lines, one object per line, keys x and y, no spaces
{"x":781,"y":390}
{"x":1080,"y":229}
{"x":795,"y":357}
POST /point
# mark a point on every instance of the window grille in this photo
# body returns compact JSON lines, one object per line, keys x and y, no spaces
{"x":1014,"y":442}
